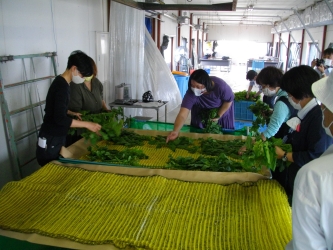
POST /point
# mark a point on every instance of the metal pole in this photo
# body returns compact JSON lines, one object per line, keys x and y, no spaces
{"x":32,"y":109}
{"x":307,"y":31}
{"x":329,"y":6}
{"x":36,"y":88}
{"x":10,"y":134}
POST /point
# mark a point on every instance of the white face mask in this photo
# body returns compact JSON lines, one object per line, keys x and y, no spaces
{"x":327,"y":129}
{"x":77,"y":79}
{"x":328,"y":62}
{"x":268,"y":92}
{"x":295,"y":105}
{"x":198,"y":92}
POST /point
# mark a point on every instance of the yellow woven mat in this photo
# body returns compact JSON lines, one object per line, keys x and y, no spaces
{"x":146,"y":212}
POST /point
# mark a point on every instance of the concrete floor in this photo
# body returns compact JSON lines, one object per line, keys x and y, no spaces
{"x":236,"y":79}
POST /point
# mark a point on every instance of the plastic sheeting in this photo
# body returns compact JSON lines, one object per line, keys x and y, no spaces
{"x":136,"y":60}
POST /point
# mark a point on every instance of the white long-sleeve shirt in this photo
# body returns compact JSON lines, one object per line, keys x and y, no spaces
{"x":312,"y":211}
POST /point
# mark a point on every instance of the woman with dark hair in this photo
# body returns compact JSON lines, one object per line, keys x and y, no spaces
{"x":87,"y":96}
{"x":251,"y":75}
{"x":205,"y":92}
{"x":269,"y":79}
{"x":308,"y":137}
{"x":56,"y":123}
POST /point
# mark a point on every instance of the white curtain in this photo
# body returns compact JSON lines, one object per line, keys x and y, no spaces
{"x":136,"y":60}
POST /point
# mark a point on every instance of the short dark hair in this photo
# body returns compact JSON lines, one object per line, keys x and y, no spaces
{"x":202,"y":77}
{"x":81,"y":61}
{"x":298,"y":81}
{"x":328,"y":51}
{"x":251,"y":74}
{"x":270,"y":76}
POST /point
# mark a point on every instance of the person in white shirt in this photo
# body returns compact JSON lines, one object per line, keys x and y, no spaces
{"x":312,"y":211}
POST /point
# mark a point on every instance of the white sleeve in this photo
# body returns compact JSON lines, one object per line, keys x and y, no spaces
{"x":306,"y":213}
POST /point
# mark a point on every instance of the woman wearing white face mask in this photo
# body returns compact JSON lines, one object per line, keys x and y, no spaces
{"x":205,"y":92}
{"x":307,"y":137}
{"x":313,"y":191}
{"x":269,"y":78}
{"x":52,"y":135}
{"x":86,"y":96}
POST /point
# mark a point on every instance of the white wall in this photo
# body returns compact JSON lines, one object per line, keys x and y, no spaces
{"x":240,"y":33}
{"x":37,"y":26}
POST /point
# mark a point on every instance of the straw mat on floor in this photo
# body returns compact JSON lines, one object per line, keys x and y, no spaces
{"x":146,"y":212}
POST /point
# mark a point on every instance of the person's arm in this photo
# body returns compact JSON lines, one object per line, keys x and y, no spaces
{"x":280,"y":153}
{"x":179,"y":122}
{"x":78,"y":115}
{"x":104,"y":107}
{"x":313,"y":63}
{"x":279,"y":115}
{"x":321,"y":69}
{"x":248,"y":91}
{"x":225,"y":106}
{"x":94,"y":127}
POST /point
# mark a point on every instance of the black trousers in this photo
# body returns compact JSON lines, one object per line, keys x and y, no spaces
{"x":52,"y":149}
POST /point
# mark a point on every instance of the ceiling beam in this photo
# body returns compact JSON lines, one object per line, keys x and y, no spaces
{"x":196,"y":7}
{"x":129,"y":3}
{"x":255,"y":8}
{"x":245,"y":15}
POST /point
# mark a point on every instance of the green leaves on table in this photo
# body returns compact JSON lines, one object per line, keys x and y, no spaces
{"x":129,"y":157}
{"x":181,"y":142}
{"x":221,"y":163}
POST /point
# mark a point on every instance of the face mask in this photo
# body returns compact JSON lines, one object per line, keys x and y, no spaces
{"x":77,"y":79}
{"x":198,"y":92}
{"x":327,"y":129}
{"x":88,"y":78}
{"x":268,"y":92}
{"x":295,"y":105}
{"x":328,"y":62}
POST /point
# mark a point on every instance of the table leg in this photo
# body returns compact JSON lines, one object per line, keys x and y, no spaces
{"x":165,"y":115}
{"x":157,"y":113}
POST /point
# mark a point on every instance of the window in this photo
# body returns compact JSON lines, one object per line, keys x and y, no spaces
{"x":313,"y":52}
{"x":294,"y":55}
